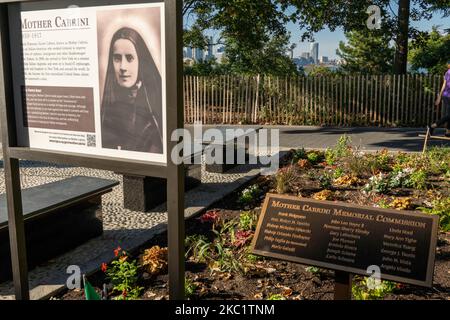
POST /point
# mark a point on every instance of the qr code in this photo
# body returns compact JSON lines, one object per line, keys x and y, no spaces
{"x":91,"y":140}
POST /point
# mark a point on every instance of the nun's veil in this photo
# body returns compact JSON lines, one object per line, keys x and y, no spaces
{"x":148,"y":75}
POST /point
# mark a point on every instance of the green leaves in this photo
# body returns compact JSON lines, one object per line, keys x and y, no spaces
{"x":123,"y":274}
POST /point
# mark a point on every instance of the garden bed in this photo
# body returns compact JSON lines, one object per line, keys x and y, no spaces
{"x":219,"y":264}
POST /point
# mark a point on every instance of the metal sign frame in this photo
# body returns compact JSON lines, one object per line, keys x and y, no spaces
{"x":172,"y":172}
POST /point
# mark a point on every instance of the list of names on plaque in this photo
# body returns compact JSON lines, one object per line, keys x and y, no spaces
{"x":349,"y":238}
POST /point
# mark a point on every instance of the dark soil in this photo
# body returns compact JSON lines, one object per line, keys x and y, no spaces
{"x":293,"y":281}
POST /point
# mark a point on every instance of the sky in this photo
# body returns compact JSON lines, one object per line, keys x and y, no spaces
{"x":329,"y":41}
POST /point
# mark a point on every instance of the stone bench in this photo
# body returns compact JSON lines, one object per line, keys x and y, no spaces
{"x":58,"y":217}
{"x":141,"y":193}
{"x":228,"y":144}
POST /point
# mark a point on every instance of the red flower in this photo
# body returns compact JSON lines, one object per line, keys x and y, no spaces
{"x":124,"y":293}
{"x":399,"y":285}
{"x":116,"y":251}
{"x":210,"y":216}
{"x":104,"y":267}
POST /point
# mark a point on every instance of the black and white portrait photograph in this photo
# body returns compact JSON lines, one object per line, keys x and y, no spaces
{"x":129,"y":44}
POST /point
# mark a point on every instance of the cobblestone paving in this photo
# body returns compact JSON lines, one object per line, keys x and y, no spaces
{"x":123,"y":227}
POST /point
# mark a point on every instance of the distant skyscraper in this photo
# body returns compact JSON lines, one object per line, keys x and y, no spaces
{"x":188,"y":52}
{"x":198,"y":54}
{"x":314,"y":48}
{"x":209,"y":50}
{"x":305,"y":55}
{"x":323,"y":59}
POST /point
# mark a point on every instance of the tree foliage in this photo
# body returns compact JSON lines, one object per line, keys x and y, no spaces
{"x":253,"y":33}
{"x":246,"y":27}
{"x":432,"y":53}
{"x":366,"y":52}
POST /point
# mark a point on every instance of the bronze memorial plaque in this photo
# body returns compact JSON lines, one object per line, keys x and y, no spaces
{"x":347,"y":237}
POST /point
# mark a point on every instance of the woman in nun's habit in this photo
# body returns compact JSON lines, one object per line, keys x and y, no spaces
{"x":131,"y":113}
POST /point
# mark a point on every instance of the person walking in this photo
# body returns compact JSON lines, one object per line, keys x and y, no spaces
{"x":444,"y":97}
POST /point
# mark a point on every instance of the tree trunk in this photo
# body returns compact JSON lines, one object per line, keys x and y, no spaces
{"x":401,"y":53}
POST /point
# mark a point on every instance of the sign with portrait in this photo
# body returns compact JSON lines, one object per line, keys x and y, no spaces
{"x":92,"y":79}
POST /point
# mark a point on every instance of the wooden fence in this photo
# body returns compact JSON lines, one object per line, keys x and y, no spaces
{"x":364,"y":100}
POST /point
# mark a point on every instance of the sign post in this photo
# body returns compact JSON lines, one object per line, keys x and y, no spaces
{"x":95,"y":84}
{"x":175,"y":173}
{"x":11,"y":165}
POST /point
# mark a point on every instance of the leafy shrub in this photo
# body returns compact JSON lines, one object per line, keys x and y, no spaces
{"x":339,"y":172}
{"x":346,"y":180}
{"x":249,"y":194}
{"x":247,"y":220}
{"x":199,"y":247}
{"x":323,"y":195}
{"x":313,"y":270}
{"x":381,"y":162}
{"x":330,"y":157}
{"x":325,"y":180}
{"x":418,"y":179}
{"x":400,"y":178}
{"x":298,"y":155}
{"x":154,"y":260}
{"x":303,"y":163}
{"x":314,"y":157}
{"x":401,"y":203}
{"x":189,"y":288}
{"x":241,"y":238}
{"x":342,"y":147}
{"x":357,"y":164}
{"x":284,"y":178}
{"x":377,"y":184}
{"x":365,"y":290}
{"x":210,"y":216}
{"x":440,"y":207}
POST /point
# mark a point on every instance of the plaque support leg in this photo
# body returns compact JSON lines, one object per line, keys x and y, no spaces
{"x":342,"y":285}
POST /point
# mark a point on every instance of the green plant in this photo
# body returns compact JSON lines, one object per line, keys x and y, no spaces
{"x":276,"y":297}
{"x":377,"y":184}
{"x":418,"y":179}
{"x":330,"y":157}
{"x":357,"y":164}
{"x":342,"y":147}
{"x":367,"y":289}
{"x":285,"y":177}
{"x":253,"y":258}
{"x":325,"y":180}
{"x":298,"y":154}
{"x":154,"y":260}
{"x":247,"y":220}
{"x":123,"y":274}
{"x":314,"y":157}
{"x":381,"y":161}
{"x":313,"y":270}
{"x":198,"y":247}
{"x":441,"y":208}
{"x":382,"y":203}
{"x":339,"y":172}
{"x":189,"y":288}
{"x":249,"y":194}
{"x":400,"y":178}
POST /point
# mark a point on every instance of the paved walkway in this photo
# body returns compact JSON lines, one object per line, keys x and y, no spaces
{"x":370,"y":139}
